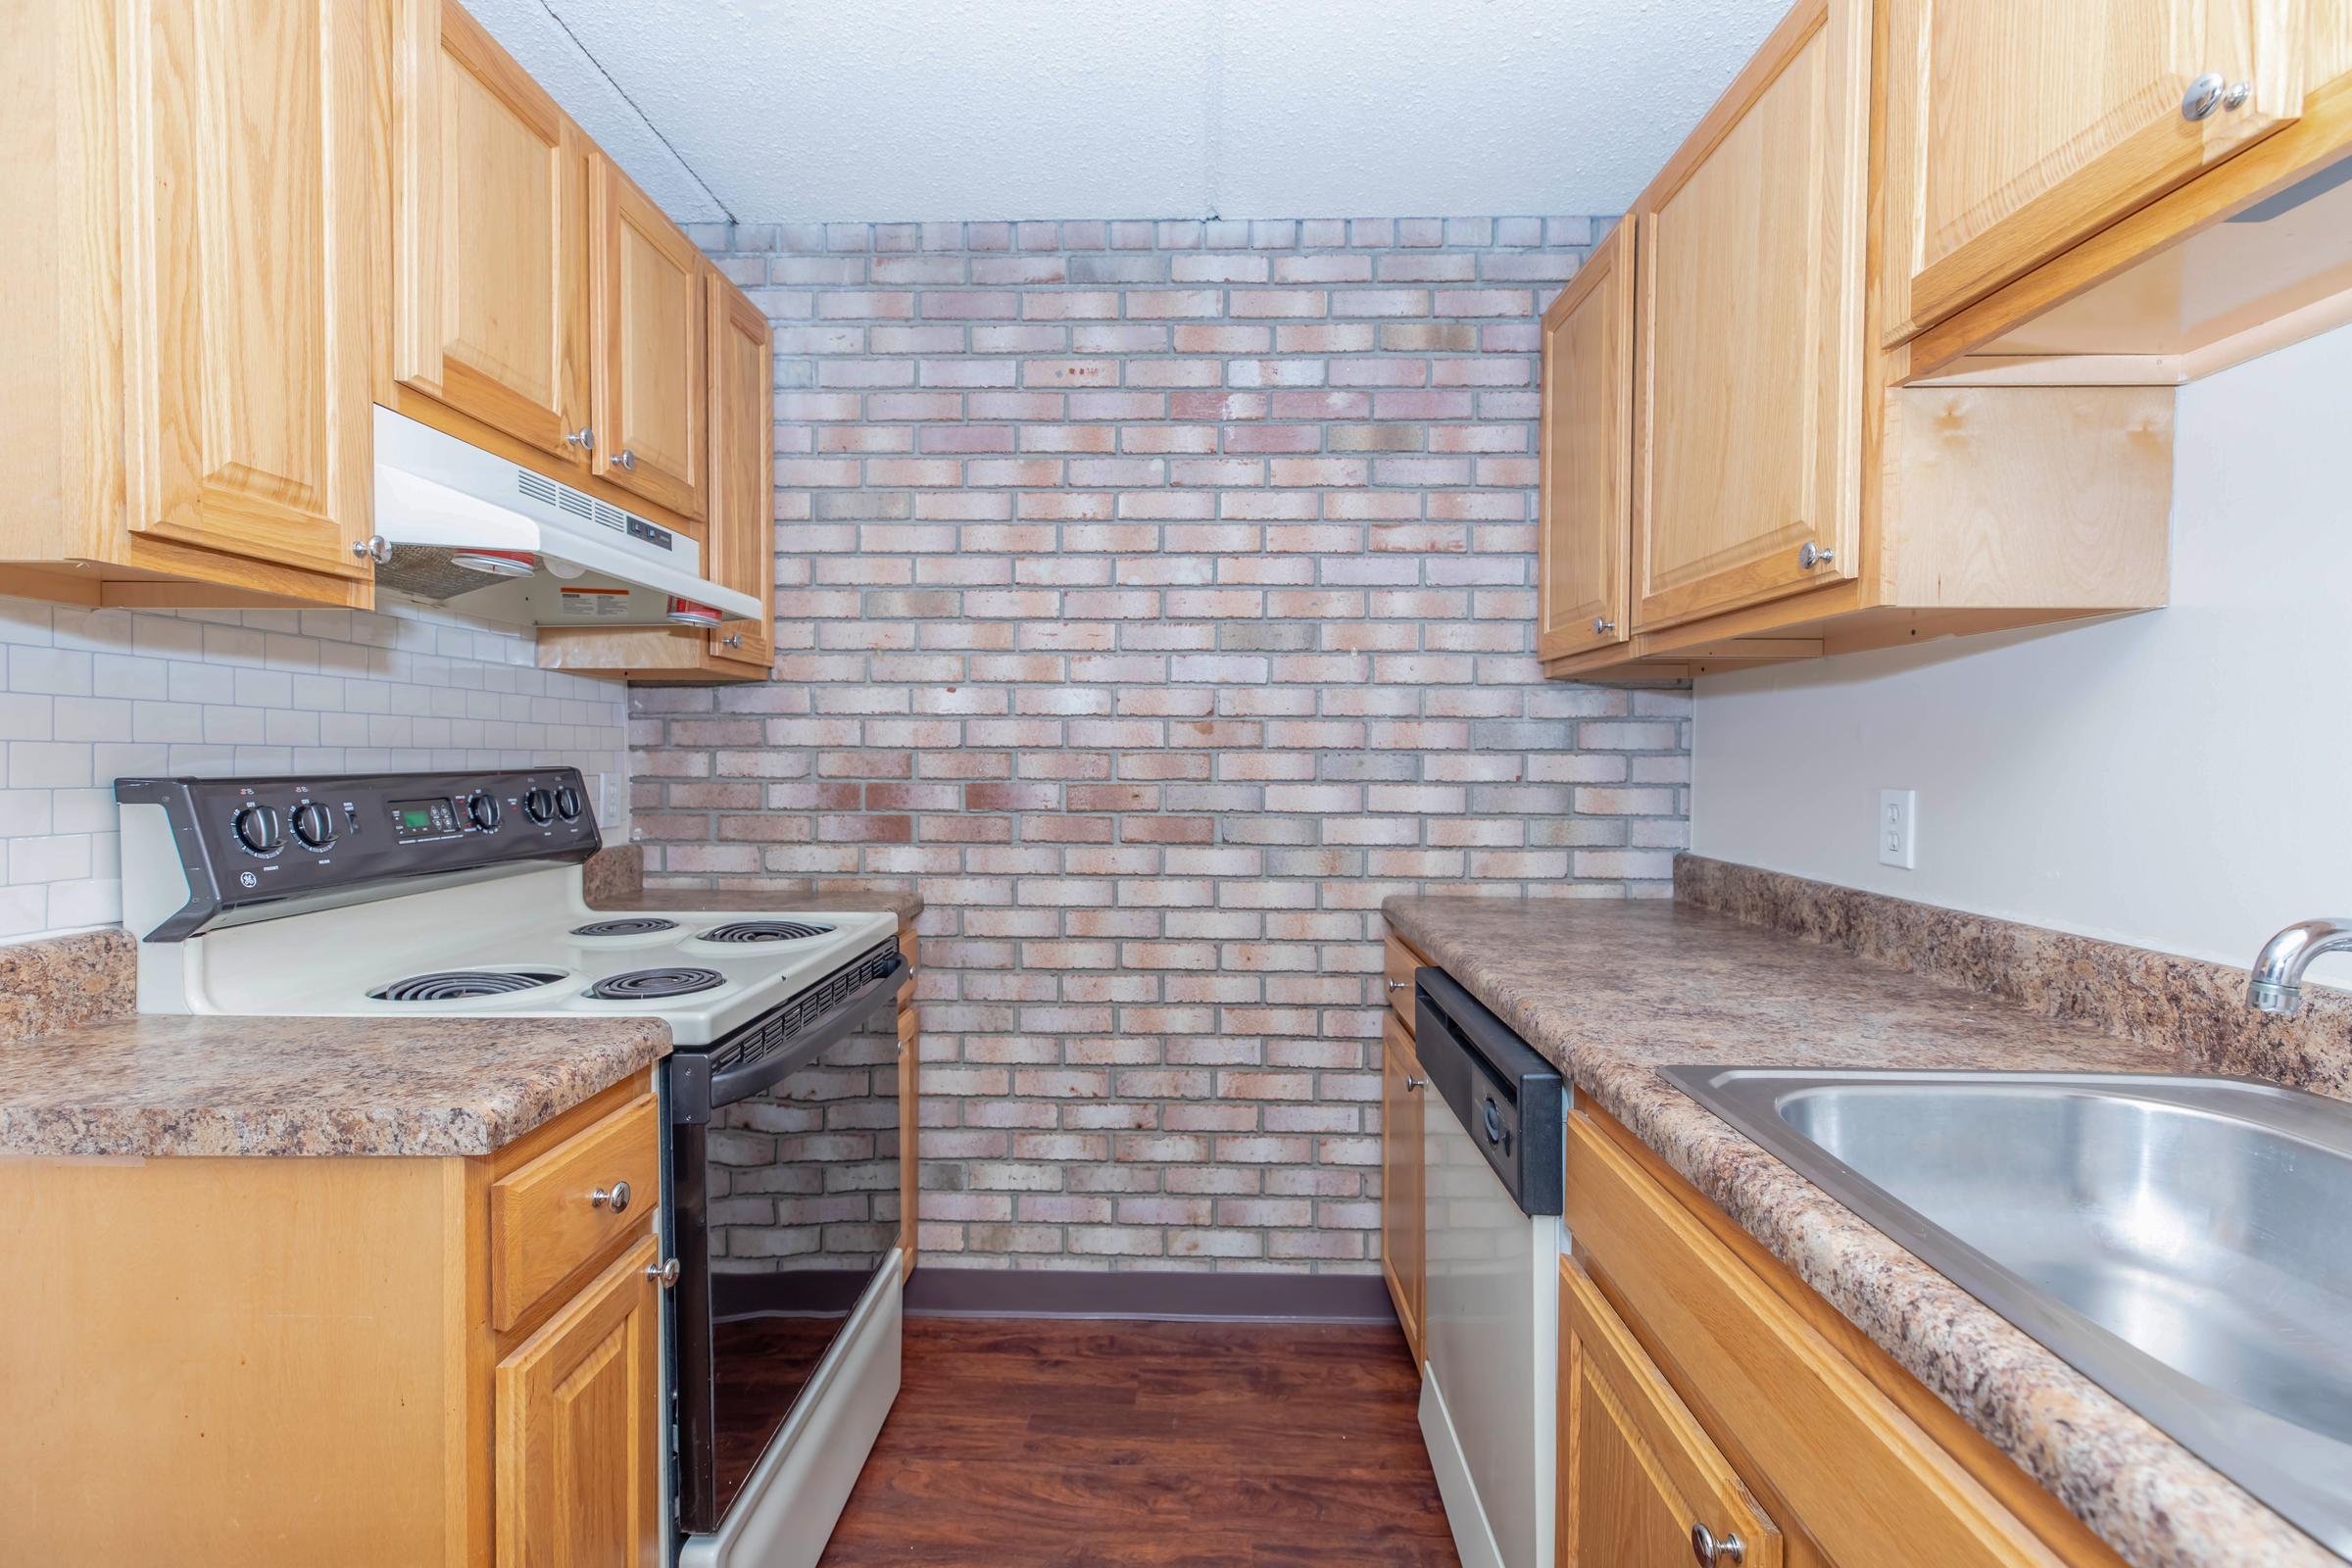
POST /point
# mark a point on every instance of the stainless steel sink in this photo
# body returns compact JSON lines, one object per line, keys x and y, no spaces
{"x":2185,"y":1243}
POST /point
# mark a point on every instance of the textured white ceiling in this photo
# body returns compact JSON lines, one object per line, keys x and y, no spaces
{"x":768,"y":110}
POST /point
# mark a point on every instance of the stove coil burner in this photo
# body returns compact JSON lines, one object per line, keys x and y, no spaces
{"x":455,"y":985}
{"x":650,"y":985}
{"x":639,"y":925}
{"x":764,"y":931}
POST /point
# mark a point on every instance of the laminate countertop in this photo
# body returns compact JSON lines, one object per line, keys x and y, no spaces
{"x":137,"y":1084}
{"x":1609,"y":992}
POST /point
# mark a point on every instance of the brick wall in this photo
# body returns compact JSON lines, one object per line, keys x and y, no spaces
{"x":1159,"y":598}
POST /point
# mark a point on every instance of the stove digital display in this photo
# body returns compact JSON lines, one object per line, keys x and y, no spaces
{"x":422,"y":819}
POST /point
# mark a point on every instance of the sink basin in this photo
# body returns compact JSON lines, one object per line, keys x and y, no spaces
{"x":2185,"y":1243}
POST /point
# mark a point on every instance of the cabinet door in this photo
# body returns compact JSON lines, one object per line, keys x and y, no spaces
{"x":1748,"y":401}
{"x":1402,"y":1256}
{"x":2016,"y":127}
{"x":248,"y":230}
{"x":490,"y":240}
{"x":1639,"y":1477}
{"x":910,"y":1132}
{"x":651,"y":397}
{"x":578,"y":1430}
{"x":1588,"y":456}
{"x":741,"y":539}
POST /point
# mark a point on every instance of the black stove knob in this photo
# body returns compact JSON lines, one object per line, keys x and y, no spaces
{"x":481,"y":809}
{"x":567,"y":802}
{"x":314,"y":825}
{"x":257,"y":830}
{"x":538,"y":805}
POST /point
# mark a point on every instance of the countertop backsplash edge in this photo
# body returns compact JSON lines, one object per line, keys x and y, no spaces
{"x":2190,"y":1005}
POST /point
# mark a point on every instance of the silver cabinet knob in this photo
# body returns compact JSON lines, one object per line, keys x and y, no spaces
{"x":2210,"y":92}
{"x":734,"y":641}
{"x":1411,"y":1082}
{"x":376,"y":547}
{"x":584,"y":437}
{"x":1602,"y":625}
{"x":665,"y":1273}
{"x":617,"y":1197}
{"x":624,"y":459}
{"x":1400,"y":985}
{"x":1709,"y":1552}
{"x":1810,"y":554}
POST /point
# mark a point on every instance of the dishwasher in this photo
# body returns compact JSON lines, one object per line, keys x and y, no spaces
{"x":1493,"y":1174}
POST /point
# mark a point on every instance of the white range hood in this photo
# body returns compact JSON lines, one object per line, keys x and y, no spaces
{"x":458,"y":525}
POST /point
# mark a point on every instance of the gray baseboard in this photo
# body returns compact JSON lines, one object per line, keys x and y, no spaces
{"x":942,"y":1289}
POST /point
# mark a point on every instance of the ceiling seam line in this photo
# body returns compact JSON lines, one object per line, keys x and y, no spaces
{"x":1213,"y":106}
{"x":638,"y":110}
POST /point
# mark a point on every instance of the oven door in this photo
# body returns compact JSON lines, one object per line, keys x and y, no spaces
{"x":785,"y":1204}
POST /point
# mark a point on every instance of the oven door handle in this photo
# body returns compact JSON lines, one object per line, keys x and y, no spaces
{"x":694,"y":1089}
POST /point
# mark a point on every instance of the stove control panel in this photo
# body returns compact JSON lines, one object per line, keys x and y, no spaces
{"x":253,"y":849}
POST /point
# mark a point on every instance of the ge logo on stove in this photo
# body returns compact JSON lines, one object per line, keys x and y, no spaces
{"x":248,"y":879}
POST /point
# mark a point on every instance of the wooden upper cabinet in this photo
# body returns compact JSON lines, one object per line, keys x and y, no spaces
{"x":577,"y":1423}
{"x":651,"y":397}
{"x":491,"y":238}
{"x":1748,"y":419}
{"x":742,"y":535}
{"x":1587,"y":446}
{"x":1638,"y":1476}
{"x":1403,"y":1226}
{"x":248,"y":239}
{"x":2016,"y":127}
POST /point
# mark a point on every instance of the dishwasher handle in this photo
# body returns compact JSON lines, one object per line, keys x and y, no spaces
{"x":1509,"y":1099}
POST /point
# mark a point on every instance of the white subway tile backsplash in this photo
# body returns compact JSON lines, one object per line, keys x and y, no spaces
{"x":60,"y":671}
{"x":89,"y":696}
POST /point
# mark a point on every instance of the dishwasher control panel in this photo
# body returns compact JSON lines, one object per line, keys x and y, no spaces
{"x":1509,"y":1100}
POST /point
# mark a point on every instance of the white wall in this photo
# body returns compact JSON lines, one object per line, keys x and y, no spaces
{"x":87,"y":697}
{"x":2180,"y":780}
{"x":896,"y":110}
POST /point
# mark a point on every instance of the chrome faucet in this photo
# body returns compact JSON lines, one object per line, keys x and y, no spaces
{"x":2276,"y":983}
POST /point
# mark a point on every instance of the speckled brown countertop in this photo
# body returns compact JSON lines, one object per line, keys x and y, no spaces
{"x":1609,"y":992}
{"x":154,"y":1085}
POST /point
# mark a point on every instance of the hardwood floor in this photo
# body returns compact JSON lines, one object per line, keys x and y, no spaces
{"x":1061,"y":1444}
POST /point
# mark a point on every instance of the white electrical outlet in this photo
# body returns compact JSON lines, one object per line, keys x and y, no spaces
{"x":1898,"y":828}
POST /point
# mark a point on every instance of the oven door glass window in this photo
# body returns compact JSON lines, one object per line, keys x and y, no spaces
{"x":801,"y":1210}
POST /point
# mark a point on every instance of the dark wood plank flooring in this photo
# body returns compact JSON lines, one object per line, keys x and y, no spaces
{"x":1061,"y":1445}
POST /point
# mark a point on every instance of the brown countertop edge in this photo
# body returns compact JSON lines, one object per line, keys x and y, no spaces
{"x":1610,"y":990}
{"x":176,"y":1085}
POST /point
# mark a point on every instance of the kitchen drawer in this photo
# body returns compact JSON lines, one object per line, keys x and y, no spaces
{"x":555,"y":1216}
{"x":1862,"y":1477}
{"x":1396,"y":978}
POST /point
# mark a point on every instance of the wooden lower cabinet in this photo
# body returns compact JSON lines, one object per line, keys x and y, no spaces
{"x":1404,"y":1249}
{"x":1403,"y":1187}
{"x":1701,"y":1383}
{"x":1639,"y":1477}
{"x":284,"y":1362}
{"x":910,"y":1120}
{"x":579,"y":1475}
